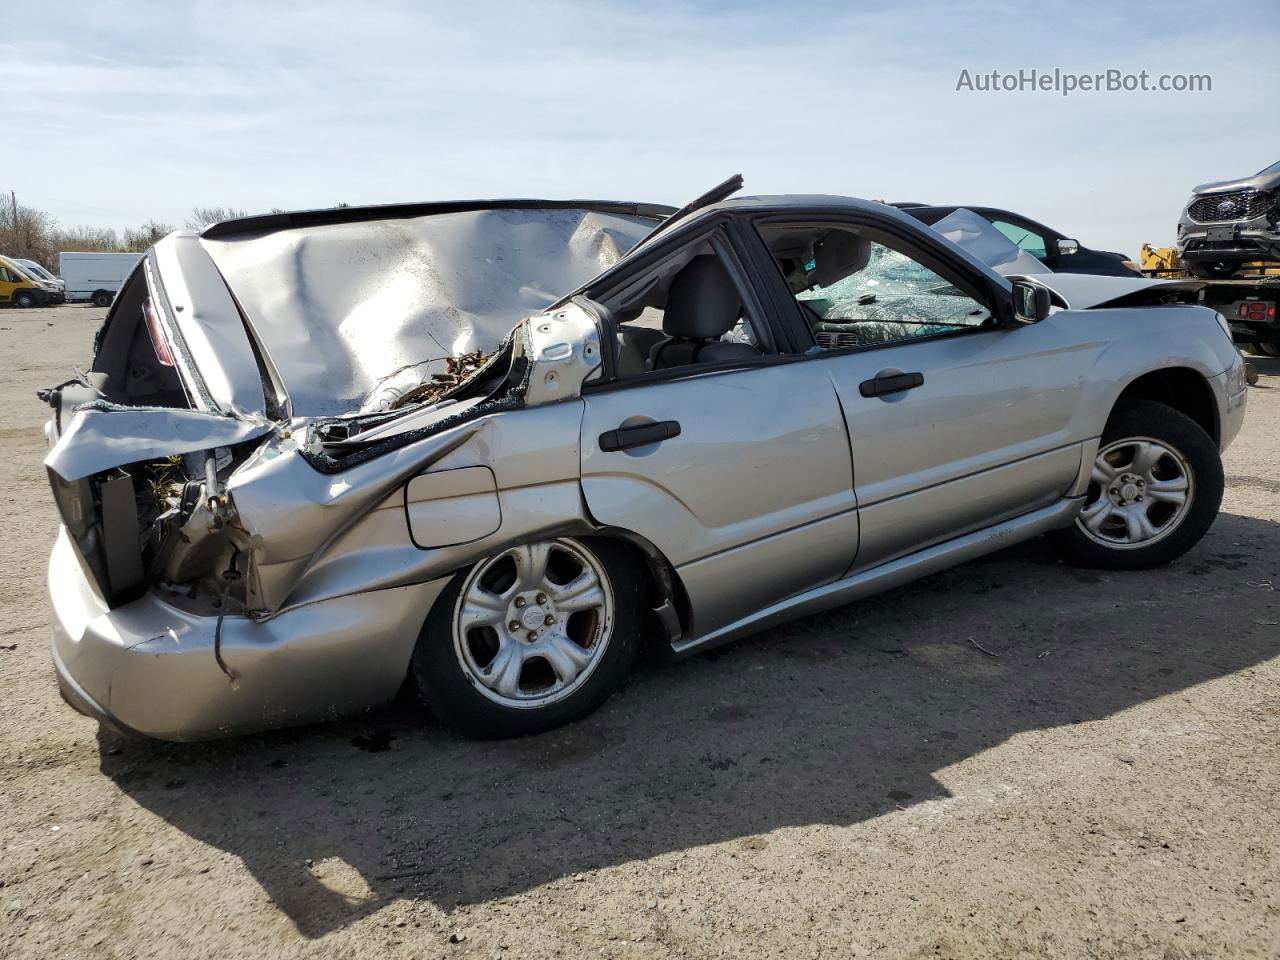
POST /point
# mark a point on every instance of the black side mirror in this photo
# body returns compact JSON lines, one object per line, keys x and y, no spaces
{"x":1068,"y":248}
{"x":1030,"y":302}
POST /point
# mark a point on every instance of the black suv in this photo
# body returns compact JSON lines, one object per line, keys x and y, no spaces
{"x":1047,"y":245}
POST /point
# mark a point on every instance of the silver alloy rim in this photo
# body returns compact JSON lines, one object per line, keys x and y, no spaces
{"x":1140,"y":491}
{"x":532,"y":623}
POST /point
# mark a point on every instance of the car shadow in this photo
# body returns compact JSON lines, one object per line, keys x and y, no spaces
{"x":834,"y":719}
{"x":1267,"y":367}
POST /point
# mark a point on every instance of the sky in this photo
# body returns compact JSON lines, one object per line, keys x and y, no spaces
{"x":120,"y":112}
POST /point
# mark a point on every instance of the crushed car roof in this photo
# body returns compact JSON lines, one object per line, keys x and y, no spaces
{"x":352,"y":305}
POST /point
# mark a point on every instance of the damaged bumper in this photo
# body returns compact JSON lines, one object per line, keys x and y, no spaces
{"x":1231,"y":391}
{"x":150,"y":668}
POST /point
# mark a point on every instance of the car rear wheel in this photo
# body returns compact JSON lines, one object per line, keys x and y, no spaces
{"x":1154,"y":491}
{"x":102,"y":299}
{"x":1267,"y":348}
{"x":531,"y":638}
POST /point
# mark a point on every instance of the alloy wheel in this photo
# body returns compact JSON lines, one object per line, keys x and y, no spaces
{"x":532,"y":623}
{"x":1140,"y":491}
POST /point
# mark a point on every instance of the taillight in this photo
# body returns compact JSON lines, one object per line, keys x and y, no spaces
{"x":1256,"y":310}
{"x":157,"y":335}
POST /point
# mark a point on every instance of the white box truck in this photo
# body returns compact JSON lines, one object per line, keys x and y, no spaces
{"x":95,"y":276}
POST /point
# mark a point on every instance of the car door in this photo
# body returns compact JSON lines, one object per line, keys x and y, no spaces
{"x":983,"y":435}
{"x":955,"y":422}
{"x":738,"y":473}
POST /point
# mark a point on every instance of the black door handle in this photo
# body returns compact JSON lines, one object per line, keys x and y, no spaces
{"x":624,"y":438}
{"x":893,"y":383}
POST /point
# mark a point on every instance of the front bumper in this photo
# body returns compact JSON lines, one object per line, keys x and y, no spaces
{"x":149,"y":668}
{"x":1232,"y":393}
{"x":1244,"y":240}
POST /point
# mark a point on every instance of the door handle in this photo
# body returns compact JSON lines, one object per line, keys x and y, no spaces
{"x":624,"y":438}
{"x":892,"y":383}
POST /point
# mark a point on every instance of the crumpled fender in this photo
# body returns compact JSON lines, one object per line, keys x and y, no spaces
{"x":104,"y":435}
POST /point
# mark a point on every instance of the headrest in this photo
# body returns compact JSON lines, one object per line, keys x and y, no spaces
{"x":702,"y":302}
{"x":837,"y":255}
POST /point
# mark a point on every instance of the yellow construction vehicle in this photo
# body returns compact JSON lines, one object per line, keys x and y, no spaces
{"x":1164,"y":262}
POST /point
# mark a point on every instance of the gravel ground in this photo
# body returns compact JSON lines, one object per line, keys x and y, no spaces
{"x":866,"y":782}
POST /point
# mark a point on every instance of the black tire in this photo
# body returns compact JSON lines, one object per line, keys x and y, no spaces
{"x":1267,"y":348}
{"x":451,"y":695}
{"x":1215,"y":270}
{"x":24,"y":298}
{"x":102,"y":298}
{"x":1145,"y":418}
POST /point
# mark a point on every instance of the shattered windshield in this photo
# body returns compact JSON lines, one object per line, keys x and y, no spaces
{"x":892,"y":286}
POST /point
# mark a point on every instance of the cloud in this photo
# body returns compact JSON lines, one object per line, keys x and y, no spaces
{"x":149,"y":110}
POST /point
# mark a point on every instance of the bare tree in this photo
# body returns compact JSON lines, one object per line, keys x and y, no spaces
{"x":202,"y":217}
{"x":138,"y":239}
{"x":29,"y":237}
{"x":87,"y":239}
{"x":35,"y":235}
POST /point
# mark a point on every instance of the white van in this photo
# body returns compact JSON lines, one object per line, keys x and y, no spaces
{"x":95,"y":276}
{"x":54,"y":285}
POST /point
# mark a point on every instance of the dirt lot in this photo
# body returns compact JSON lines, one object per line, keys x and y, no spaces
{"x":862,"y":783}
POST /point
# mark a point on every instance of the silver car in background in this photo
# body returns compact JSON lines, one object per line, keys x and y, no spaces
{"x":313,"y":458}
{"x":1229,"y":223}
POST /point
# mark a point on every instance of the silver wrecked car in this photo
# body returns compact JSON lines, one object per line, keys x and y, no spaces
{"x":313,"y":459}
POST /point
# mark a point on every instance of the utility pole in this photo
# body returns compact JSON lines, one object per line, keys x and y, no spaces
{"x":13,"y":204}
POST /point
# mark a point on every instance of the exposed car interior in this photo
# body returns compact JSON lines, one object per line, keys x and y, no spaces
{"x":133,"y":360}
{"x":857,"y":292}
{"x":687,"y":310}
{"x":133,"y":366}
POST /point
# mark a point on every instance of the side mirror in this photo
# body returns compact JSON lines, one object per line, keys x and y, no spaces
{"x":1068,"y":248}
{"x":1030,"y":302}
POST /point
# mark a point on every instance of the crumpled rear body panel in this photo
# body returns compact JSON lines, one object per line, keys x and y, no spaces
{"x":341,"y":307}
{"x":102,"y":436}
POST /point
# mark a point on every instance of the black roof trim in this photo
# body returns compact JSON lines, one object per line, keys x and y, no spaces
{"x":268,"y":222}
{"x":721,"y":191}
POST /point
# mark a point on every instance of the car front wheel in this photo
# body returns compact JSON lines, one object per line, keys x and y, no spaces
{"x":1154,"y":491}
{"x":531,"y":638}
